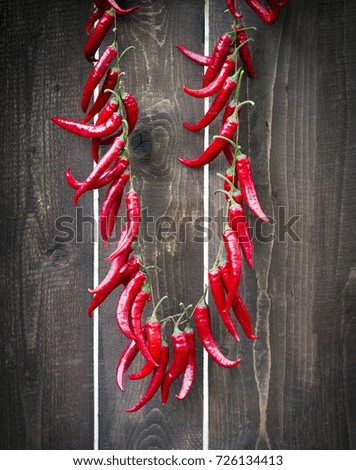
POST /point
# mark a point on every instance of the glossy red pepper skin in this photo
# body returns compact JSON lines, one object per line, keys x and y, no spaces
{"x":274,"y":11}
{"x":266,"y":15}
{"x":105,"y":114}
{"x":203,"y":326}
{"x":156,"y":381}
{"x":154,"y":340}
{"x":132,"y":111}
{"x":194,"y":56}
{"x":95,"y":39}
{"x":109,"y":83}
{"x":221,"y":50}
{"x":215,"y":148}
{"x":247,"y":185}
{"x":229,"y":111}
{"x":94,"y":15}
{"x":232,"y":9}
{"x":107,"y":4}
{"x":232,"y":246}
{"x":100,"y":168}
{"x":244,"y":53}
{"x":218,"y":104}
{"x":179,"y":362}
{"x":137,"y":307}
{"x":113,"y":195}
{"x":190,"y":368}
{"x":213,"y":87}
{"x":89,"y":131}
{"x":124,"y":363}
{"x":125,"y":301}
{"x":237,"y":221}
{"x":238,"y":306}
{"x":218,"y":294}
{"x":133,"y":214}
{"x":114,"y":278}
{"x":112,"y":173}
{"x":99,"y":70}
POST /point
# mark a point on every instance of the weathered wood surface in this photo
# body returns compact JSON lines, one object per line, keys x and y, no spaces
{"x":46,"y":347}
{"x":295,"y":386}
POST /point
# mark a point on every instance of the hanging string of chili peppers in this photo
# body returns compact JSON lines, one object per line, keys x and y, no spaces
{"x":223,"y":78}
{"x":108,"y":122}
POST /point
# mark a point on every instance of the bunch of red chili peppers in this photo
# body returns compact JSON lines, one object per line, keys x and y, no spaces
{"x":222,"y":78}
{"x":114,"y":114}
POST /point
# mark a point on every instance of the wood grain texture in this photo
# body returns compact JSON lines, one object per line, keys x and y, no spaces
{"x":295,"y":387}
{"x":46,"y":347}
{"x":155,"y":72}
{"x":294,"y":390}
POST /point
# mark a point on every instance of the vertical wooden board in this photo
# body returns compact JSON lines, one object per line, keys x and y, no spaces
{"x":301,"y":149}
{"x":46,"y":360}
{"x":155,"y":72}
{"x":335,"y":241}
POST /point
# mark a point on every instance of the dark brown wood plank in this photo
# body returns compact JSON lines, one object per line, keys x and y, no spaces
{"x":155,"y":73}
{"x":46,"y":358}
{"x":294,"y":389}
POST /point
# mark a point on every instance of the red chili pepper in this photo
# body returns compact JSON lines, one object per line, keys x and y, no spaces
{"x":261,"y":11}
{"x":238,"y":306}
{"x":230,"y":188}
{"x":218,"y":104}
{"x":229,"y":111}
{"x":228,"y":130}
{"x":248,"y":188}
{"x":107,"y":177}
{"x":99,"y":70}
{"x":138,"y":304}
{"x":94,"y":15}
{"x":203,"y":325}
{"x":112,"y":216}
{"x":125,"y":302}
{"x":153,"y":336}
{"x":232,"y":246}
{"x":125,"y":361}
{"x":232,"y":9}
{"x":244,"y":52}
{"x":282,"y":3}
{"x":237,"y":221}
{"x":113,"y":194}
{"x":227,"y":67}
{"x":131,"y":108}
{"x":114,"y":278}
{"x":109,"y":83}
{"x":179,"y":362}
{"x":105,"y":114}
{"x":99,"y":33}
{"x":156,"y":380}
{"x":218,"y":293}
{"x":133,"y":214}
{"x":190,"y":368}
{"x":221,"y":50}
{"x":107,"y":4}
{"x":100,"y":168}
{"x":194,"y":56}
{"x":274,"y":11}
{"x":89,"y":130}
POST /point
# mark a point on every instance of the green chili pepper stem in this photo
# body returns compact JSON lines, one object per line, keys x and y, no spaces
{"x":226,"y":193}
{"x":177,"y":330}
{"x":238,"y":89}
{"x":227,"y":180}
{"x":124,"y":52}
{"x":235,"y":147}
{"x":218,"y":255}
{"x":243,"y":44}
{"x":202,"y":298}
{"x":243,"y":103}
{"x":153,"y":316}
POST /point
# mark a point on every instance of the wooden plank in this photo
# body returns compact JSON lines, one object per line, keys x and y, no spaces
{"x":295,"y":391}
{"x":155,"y":73}
{"x":46,"y":359}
